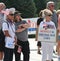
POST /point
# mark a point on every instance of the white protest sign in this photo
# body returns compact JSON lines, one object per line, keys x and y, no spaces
{"x":33,"y":25}
{"x":47,"y":35}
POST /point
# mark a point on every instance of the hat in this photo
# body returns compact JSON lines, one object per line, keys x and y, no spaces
{"x":17,"y":13}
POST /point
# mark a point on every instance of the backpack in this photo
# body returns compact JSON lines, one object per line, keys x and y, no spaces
{"x":2,"y":36}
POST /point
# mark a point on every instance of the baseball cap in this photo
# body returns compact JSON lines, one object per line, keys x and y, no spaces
{"x":17,"y":13}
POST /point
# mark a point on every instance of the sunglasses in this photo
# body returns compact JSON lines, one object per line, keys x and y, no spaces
{"x":49,"y":15}
{"x":52,"y":5}
{"x":11,"y":14}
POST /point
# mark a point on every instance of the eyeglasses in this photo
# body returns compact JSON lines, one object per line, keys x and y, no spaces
{"x":11,"y":14}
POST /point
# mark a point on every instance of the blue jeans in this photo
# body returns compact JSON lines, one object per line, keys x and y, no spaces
{"x":8,"y":54}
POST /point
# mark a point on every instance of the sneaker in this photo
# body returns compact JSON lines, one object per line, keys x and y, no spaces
{"x":39,"y":52}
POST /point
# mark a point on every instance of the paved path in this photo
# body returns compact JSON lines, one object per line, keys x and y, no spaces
{"x":33,"y":52}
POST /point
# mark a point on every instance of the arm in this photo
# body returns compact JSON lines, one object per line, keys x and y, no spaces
{"x":5,"y":29}
{"x":20,"y":30}
{"x":22,"y":27}
{"x":36,"y":38}
{"x":38,"y":23}
{"x":26,"y":25}
{"x":6,"y":33}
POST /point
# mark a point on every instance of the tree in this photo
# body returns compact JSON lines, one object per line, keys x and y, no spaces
{"x":40,"y":4}
{"x":26,"y":7}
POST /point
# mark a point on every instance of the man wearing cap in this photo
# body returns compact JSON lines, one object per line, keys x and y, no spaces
{"x":8,"y":28}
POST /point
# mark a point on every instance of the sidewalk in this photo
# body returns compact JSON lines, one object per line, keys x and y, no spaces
{"x":33,"y":52}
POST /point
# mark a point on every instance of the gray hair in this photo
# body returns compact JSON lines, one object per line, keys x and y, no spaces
{"x":12,"y":10}
{"x":1,"y":3}
{"x":48,"y":3}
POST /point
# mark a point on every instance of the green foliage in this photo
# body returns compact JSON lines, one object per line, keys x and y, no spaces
{"x":26,"y":7}
{"x":29,"y":8}
{"x":40,"y":4}
{"x":58,"y":5}
{"x":8,"y":3}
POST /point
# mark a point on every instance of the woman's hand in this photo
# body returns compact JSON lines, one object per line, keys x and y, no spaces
{"x":15,"y":41}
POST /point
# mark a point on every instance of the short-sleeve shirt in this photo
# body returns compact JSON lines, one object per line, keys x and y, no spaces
{"x":47,"y":24}
{"x":9,"y":41}
{"x":39,"y":21}
{"x":55,"y":19}
{"x":22,"y":36}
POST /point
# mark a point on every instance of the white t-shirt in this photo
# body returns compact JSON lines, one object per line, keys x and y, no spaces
{"x":9,"y":41}
{"x":50,"y":23}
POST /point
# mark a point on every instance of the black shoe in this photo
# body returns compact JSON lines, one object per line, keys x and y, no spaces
{"x":39,"y":52}
{"x":53,"y":51}
{"x":52,"y":60}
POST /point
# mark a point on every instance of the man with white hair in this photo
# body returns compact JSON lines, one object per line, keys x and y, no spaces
{"x":50,"y":6}
{"x":8,"y":28}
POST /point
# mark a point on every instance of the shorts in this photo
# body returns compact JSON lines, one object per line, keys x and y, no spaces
{"x":39,"y":43}
{"x":2,"y":46}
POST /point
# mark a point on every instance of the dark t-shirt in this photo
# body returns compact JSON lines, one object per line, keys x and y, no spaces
{"x":39,"y":21}
{"x":55,"y":19}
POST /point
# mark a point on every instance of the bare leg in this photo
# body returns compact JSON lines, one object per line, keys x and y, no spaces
{"x":39,"y":50}
{"x":1,"y":55}
{"x":58,"y":50}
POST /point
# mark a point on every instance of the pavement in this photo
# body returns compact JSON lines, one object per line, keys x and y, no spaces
{"x":33,"y":52}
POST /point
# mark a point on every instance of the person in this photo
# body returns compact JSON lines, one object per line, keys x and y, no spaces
{"x":2,"y":7}
{"x":51,"y":6}
{"x":47,"y":47}
{"x":21,"y":27}
{"x":38,"y":23}
{"x":58,"y":42}
{"x":8,"y":28}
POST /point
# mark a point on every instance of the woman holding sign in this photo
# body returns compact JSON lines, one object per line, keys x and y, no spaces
{"x":47,"y":47}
